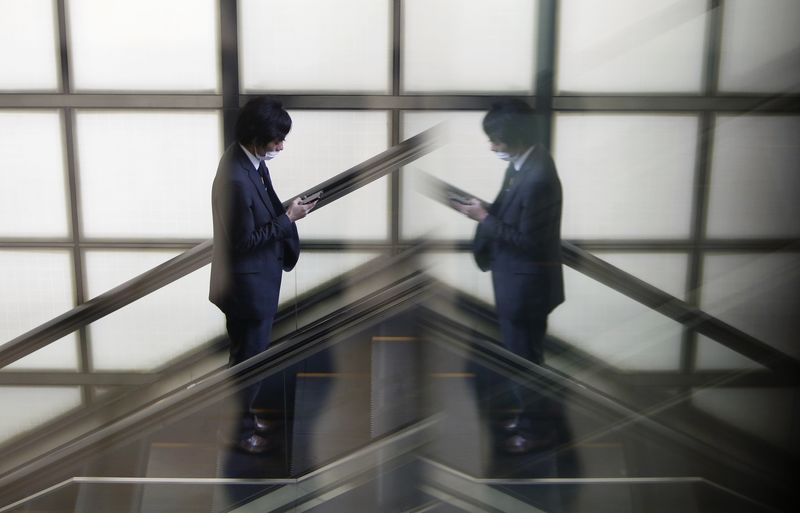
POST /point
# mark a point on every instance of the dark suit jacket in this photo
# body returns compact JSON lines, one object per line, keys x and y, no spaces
{"x":522,"y":236}
{"x":254,"y":241}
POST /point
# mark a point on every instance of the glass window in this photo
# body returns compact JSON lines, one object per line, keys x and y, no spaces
{"x":621,"y":46}
{"x":756,"y":293}
{"x":322,"y":145}
{"x":467,"y":46}
{"x":458,"y":270}
{"x":147,"y":174}
{"x":760,"y":45}
{"x":34,"y":407}
{"x":614,"y":328}
{"x":33,"y":185}
{"x":315,"y":268}
{"x":755,"y":178}
{"x":28,"y":36}
{"x":146,"y":45}
{"x":465,"y":161}
{"x":665,"y":271}
{"x":37,"y":286}
{"x":626,"y":175}
{"x":312,"y":46}
{"x":150,"y":332}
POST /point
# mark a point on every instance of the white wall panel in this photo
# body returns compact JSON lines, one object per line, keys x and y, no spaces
{"x":28,"y":51}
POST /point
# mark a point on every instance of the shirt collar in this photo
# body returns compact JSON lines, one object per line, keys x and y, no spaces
{"x":518,"y":161}
{"x":250,"y":156}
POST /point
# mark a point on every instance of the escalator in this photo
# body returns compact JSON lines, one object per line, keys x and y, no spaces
{"x":378,"y":379}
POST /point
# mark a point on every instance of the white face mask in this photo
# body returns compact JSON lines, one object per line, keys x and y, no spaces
{"x":503,"y":155}
{"x":267,"y":156}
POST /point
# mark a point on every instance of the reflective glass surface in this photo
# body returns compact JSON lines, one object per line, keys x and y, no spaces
{"x":28,"y":46}
{"x":482,"y":50}
{"x":109,"y":51}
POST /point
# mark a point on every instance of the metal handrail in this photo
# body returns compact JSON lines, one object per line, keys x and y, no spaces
{"x":200,"y":255}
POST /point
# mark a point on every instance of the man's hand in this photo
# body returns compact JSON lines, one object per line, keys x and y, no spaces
{"x":473,"y":209}
{"x":298,"y":210}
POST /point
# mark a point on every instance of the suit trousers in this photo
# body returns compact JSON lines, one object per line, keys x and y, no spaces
{"x":248,"y":338}
{"x":523,"y":325}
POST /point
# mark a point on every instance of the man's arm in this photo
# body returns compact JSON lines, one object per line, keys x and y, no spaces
{"x":243,"y":234}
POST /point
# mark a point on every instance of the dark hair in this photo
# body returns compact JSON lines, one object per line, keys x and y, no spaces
{"x":511,"y":121}
{"x":262,"y":120}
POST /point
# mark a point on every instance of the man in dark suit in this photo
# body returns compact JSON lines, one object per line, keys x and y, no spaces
{"x":518,"y":239}
{"x":255,"y":240}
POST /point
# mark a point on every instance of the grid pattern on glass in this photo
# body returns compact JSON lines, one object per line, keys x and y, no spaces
{"x":312,"y":46}
{"x":154,"y":330}
{"x":321,"y":145}
{"x":614,"y":328}
{"x":37,"y":285}
{"x":465,"y":162}
{"x":33,"y":407}
{"x":754,"y":177}
{"x":630,"y":46}
{"x":760,"y":47}
{"x":147,"y":174}
{"x":147,"y":45}
{"x":626,"y":175}
{"x":763,"y":413}
{"x":28,"y":46}
{"x":465,"y":46}
{"x":33,"y":189}
{"x":758,"y":293}
{"x":315,"y":268}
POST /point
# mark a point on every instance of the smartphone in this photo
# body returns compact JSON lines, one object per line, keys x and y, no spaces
{"x":457,"y":198}
{"x":310,"y":198}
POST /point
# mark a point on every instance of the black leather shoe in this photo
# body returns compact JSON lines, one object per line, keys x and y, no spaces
{"x":524,"y":443}
{"x":254,"y":445}
{"x":264,"y":426}
{"x":510,"y":425}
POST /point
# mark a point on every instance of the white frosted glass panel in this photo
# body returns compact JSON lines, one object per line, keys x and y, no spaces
{"x":36,"y":286}
{"x":469,"y":46}
{"x":755,"y":177}
{"x":614,"y":328}
{"x":314,"y":269}
{"x":760,"y":46}
{"x":147,"y":174}
{"x":713,"y":356}
{"x":756,"y":293}
{"x":322,"y":145}
{"x":146,"y":45}
{"x":665,"y":271}
{"x":465,"y":161}
{"x":626,"y":175}
{"x":313,"y":46}
{"x":33,"y":407}
{"x":622,"y":46}
{"x":763,"y":413}
{"x":459,"y":271}
{"x":150,"y":332}
{"x":33,"y":195}
{"x":28,"y":45}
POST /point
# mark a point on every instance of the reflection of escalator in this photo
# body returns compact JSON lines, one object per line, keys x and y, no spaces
{"x":387,"y":417}
{"x":377,"y":384}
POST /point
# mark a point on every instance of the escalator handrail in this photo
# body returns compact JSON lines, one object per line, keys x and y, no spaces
{"x":653,"y":297}
{"x":200,"y":255}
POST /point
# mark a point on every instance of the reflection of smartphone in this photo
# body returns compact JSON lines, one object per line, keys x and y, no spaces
{"x":311,"y":198}
{"x":457,"y":198}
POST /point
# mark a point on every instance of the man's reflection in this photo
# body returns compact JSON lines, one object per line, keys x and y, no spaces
{"x":518,"y":239}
